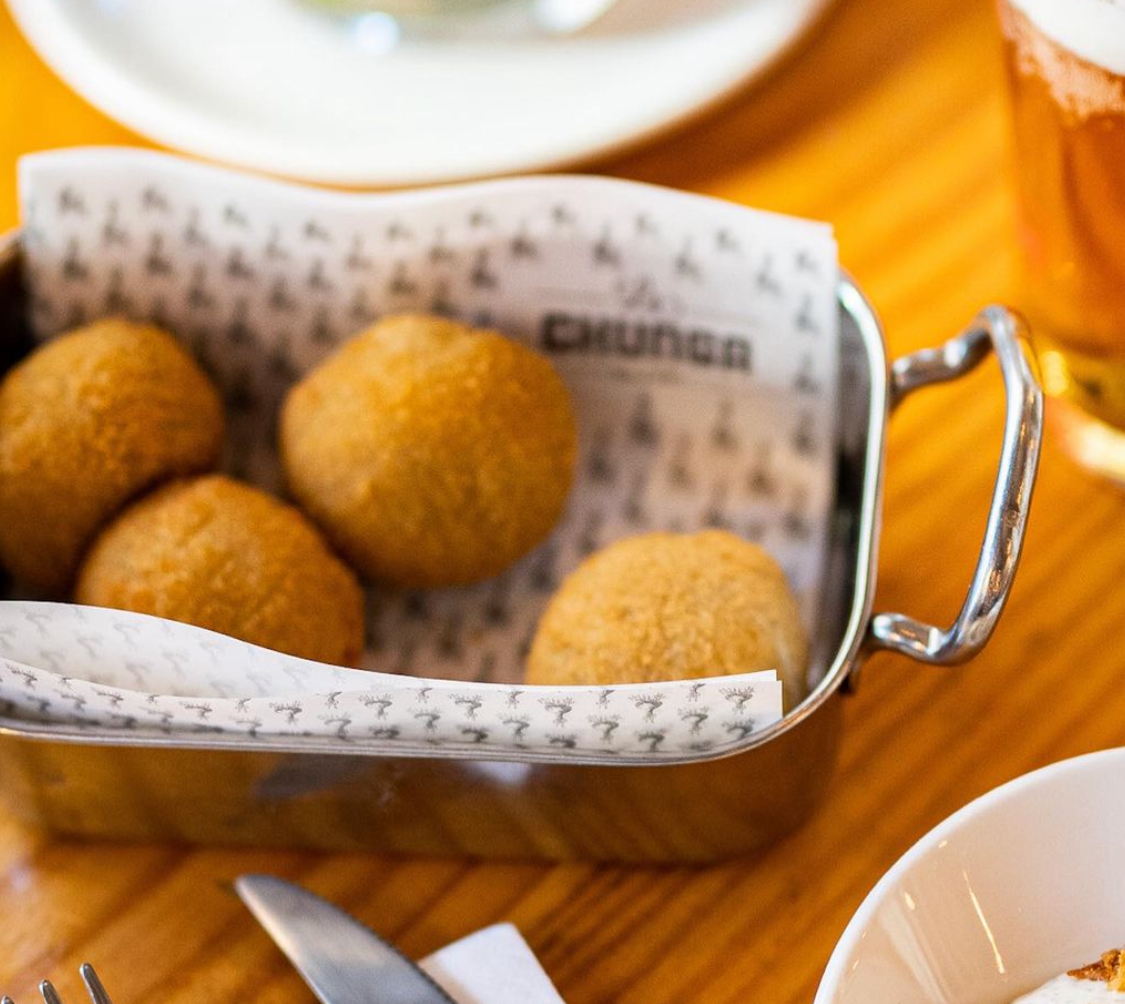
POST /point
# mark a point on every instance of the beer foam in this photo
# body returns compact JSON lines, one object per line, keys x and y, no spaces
{"x":1091,"y":29}
{"x":1077,"y":47}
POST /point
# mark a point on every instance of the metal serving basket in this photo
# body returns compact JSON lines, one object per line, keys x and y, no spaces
{"x":706,"y":805}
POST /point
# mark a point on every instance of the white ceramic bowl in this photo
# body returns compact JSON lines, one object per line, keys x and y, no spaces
{"x":1017,"y":887}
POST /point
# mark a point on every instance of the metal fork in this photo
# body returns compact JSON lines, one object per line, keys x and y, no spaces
{"x":93,"y":987}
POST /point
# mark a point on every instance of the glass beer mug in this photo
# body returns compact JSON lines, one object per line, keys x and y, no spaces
{"x":1066,"y":68}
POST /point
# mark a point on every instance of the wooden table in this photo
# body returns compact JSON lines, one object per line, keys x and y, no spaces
{"x":890,"y":122}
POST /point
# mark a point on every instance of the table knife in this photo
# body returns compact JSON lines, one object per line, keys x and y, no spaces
{"x":342,"y":961}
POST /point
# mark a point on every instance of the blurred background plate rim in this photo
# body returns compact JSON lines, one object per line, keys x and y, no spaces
{"x":171,"y":120}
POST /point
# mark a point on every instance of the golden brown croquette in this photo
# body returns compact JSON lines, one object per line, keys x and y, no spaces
{"x":432,"y":454}
{"x":666,"y":606}
{"x":87,"y":422}
{"x":222,"y":555}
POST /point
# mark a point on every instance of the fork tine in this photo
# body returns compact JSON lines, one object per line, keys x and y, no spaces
{"x":50,"y":995}
{"x":94,"y":985}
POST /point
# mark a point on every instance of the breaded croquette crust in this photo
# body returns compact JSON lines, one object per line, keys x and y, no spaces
{"x":225,"y":556}
{"x":432,"y":454}
{"x":86,"y":423}
{"x":666,"y":606}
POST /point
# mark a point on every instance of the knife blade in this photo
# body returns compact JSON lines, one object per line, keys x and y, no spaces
{"x":342,"y":961}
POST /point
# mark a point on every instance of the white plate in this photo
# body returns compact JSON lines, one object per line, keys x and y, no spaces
{"x":275,"y":86}
{"x":1016,"y":888}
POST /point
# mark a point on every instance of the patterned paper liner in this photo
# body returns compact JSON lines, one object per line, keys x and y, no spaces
{"x":699,"y":341}
{"x":88,"y":666}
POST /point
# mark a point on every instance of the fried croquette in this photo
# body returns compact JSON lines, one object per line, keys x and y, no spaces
{"x":86,"y":423}
{"x":222,"y":555}
{"x":667,"y":606}
{"x":431,"y":453}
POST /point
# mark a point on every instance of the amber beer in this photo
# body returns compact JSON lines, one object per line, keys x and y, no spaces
{"x":1066,"y":65}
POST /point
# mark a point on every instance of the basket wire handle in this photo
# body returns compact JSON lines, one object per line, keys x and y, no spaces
{"x":1005,"y":333}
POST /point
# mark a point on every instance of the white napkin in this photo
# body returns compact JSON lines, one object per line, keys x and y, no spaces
{"x":493,"y":966}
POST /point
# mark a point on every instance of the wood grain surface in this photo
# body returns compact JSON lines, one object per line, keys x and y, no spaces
{"x":890,"y":122}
